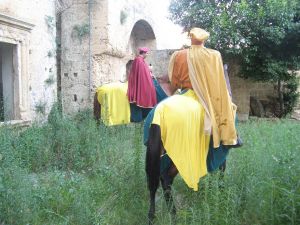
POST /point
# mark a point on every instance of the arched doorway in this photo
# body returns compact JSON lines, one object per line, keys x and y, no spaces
{"x":141,"y":35}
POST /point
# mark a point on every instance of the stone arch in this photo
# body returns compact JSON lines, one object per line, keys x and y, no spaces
{"x":141,"y":34}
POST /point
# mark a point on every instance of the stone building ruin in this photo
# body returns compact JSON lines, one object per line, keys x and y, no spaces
{"x":27,"y":62}
{"x":117,"y":29}
{"x":62,"y":50}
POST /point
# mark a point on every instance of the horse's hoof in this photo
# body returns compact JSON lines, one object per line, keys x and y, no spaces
{"x":173,"y":219}
{"x":173,"y":214}
{"x":174,"y":211}
{"x":151,"y":218}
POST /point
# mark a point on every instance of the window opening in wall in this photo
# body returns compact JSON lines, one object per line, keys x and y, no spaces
{"x":7,"y":81}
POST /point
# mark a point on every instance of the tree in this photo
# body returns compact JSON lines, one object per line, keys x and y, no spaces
{"x":263,"y":35}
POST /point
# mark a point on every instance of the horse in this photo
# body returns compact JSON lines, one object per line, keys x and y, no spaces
{"x":156,"y":158}
{"x":162,"y":86}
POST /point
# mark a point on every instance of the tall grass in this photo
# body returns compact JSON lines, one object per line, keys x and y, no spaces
{"x":73,"y":171}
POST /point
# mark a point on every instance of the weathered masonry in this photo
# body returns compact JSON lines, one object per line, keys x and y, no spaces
{"x":98,"y":38}
{"x":14,"y":42}
{"x":27,"y":59}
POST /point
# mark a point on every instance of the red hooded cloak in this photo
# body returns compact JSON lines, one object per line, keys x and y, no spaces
{"x":141,"y":90}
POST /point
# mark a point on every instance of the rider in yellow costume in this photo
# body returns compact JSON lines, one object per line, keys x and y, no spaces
{"x":202,"y":69}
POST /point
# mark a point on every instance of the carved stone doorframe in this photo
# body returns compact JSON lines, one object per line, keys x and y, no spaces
{"x":17,"y":33}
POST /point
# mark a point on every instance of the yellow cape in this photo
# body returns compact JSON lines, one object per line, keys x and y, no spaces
{"x":115,"y":107}
{"x":181,"y":120}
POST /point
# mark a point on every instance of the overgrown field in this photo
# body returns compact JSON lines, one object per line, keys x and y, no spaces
{"x":73,"y":171}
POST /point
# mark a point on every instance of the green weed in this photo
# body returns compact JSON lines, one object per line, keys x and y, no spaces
{"x":73,"y":171}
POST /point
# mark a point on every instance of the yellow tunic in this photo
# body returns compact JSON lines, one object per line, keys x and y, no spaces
{"x":180,"y":118}
{"x":114,"y":102}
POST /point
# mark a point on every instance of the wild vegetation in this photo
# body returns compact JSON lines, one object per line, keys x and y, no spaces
{"x":73,"y":171}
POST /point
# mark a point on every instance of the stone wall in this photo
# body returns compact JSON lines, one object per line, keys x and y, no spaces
{"x":243,"y":89}
{"x":160,"y":61}
{"x":75,"y":76}
{"x":30,"y":27}
{"x":117,"y":28}
{"x":122,"y":17}
{"x":129,"y":26}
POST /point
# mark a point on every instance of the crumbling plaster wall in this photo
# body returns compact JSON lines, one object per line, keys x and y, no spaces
{"x":38,"y":46}
{"x":122,"y":16}
{"x":75,"y":80}
{"x":93,"y":50}
{"x":159,"y":60}
{"x":107,"y":48}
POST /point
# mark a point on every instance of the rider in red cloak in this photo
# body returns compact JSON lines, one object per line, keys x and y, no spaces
{"x":141,"y":91}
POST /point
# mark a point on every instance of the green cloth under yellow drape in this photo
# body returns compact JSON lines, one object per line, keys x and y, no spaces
{"x":114,"y":102}
{"x":181,"y":120}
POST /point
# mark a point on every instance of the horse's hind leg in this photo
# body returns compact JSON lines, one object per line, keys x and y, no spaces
{"x":97,"y":108}
{"x":166,"y":179}
{"x":153,"y":166}
{"x":151,"y":213}
{"x":222,"y":169}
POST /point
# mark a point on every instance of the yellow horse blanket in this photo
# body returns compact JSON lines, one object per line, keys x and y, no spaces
{"x":181,"y":120}
{"x":115,"y":107}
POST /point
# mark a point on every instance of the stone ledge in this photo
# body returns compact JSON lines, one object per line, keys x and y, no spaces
{"x":242,"y":116}
{"x":16,"y":123}
{"x":13,"y":22}
{"x":296,"y":115}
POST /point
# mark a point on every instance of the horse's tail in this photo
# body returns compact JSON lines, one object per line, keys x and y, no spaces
{"x":153,"y":157}
{"x":97,"y":108}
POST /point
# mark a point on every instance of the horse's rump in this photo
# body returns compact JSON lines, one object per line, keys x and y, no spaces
{"x":114,"y":103}
{"x":111,"y":102}
{"x":181,"y":119}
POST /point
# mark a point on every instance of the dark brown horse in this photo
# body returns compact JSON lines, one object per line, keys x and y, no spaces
{"x":216,"y":159}
{"x":154,"y":152}
{"x":154,"y":156}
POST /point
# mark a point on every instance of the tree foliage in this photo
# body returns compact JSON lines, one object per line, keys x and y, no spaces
{"x":264,"y":35}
